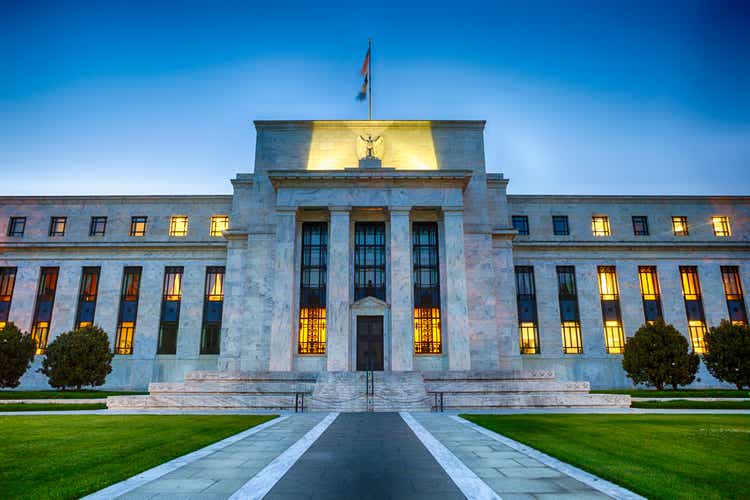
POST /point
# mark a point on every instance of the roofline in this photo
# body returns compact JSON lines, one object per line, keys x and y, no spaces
{"x":111,"y":198}
{"x":571,"y":198}
{"x":372,"y":123}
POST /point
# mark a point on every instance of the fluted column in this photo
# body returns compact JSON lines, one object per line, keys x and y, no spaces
{"x":402,"y":327}
{"x":456,"y":309}
{"x":337,"y":305}
{"x":283,"y":304}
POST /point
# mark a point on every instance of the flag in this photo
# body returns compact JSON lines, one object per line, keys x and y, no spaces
{"x":365,"y":71}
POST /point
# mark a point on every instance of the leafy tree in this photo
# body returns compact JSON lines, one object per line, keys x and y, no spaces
{"x":16,"y":353}
{"x":78,"y":358}
{"x":728,"y":353}
{"x":657,"y":355}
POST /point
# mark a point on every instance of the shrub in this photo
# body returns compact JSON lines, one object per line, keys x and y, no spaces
{"x":78,"y":358}
{"x":657,"y":355}
{"x":727,"y":354}
{"x":16,"y":353}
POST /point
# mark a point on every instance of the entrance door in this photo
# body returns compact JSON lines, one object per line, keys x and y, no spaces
{"x":369,"y":342}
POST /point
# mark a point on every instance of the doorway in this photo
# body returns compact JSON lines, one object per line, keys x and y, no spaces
{"x":370,"y":343}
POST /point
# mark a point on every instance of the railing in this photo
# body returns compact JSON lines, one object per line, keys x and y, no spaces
{"x":369,"y":382}
{"x":299,"y":402}
{"x":438,"y":406}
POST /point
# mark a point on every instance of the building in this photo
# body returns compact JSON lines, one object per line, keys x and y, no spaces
{"x":371,"y":244}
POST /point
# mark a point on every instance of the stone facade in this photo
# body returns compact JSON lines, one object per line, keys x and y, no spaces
{"x":432,"y":171}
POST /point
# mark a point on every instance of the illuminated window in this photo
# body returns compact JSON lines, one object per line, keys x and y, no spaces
{"x":697,"y":334}
{"x":98,"y":226}
{"x":213,"y":303}
{"x":170,"y":310}
{"x":614,"y":339}
{"x":312,"y":312}
{"x":87,"y":296}
{"x":608,"y":283}
{"x":178,"y":225}
{"x":172,"y":283}
{"x":721,"y":226}
{"x":600,"y":225}
{"x":527,"y":314}
{"x":16,"y":226}
{"x":126,"y":318}
{"x":45,"y":300}
{"x":138,"y":225}
{"x":650,"y":293}
{"x":640,"y":225}
{"x":7,"y":283}
{"x":680,"y":225}
{"x":426,"y":279}
{"x":369,"y":260}
{"x":560,"y":225}
{"x":521,"y":224}
{"x":691,"y":291}
{"x":57,"y":226}
{"x":570,"y":321}
{"x":730,"y":276}
{"x":219,"y":224}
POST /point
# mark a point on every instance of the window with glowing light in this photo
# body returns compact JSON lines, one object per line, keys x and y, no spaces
{"x":213,"y":303}
{"x":691,"y":292}
{"x":16,"y":226}
{"x":7,"y":283}
{"x":369,"y":260}
{"x":600,"y":225}
{"x":721,"y":226}
{"x":45,"y":301}
{"x":650,"y":294}
{"x":57,"y":226}
{"x":570,"y":321}
{"x":219,"y":224}
{"x":313,"y":280}
{"x":426,"y":278}
{"x":138,"y":225}
{"x":730,"y":276}
{"x":128,"y":311}
{"x":178,"y":225}
{"x":680,"y":225}
{"x":614,"y":338}
{"x":170,"y":310}
{"x":527,"y":314}
{"x":87,"y":296}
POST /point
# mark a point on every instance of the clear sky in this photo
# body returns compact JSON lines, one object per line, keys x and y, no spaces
{"x":600,"y":97}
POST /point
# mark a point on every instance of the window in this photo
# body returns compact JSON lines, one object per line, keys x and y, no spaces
{"x":521,"y":224}
{"x":730,"y":276}
{"x":57,"y":226}
{"x":650,"y":293}
{"x":138,"y":225}
{"x":527,"y":315}
{"x":680,"y":225}
{"x":213,"y":302}
{"x":170,"y":310}
{"x":614,"y":339}
{"x":312,"y":310}
{"x":721,"y":226}
{"x":560,"y":225}
{"x":126,"y":317}
{"x":570,"y":322}
{"x":178,"y":225}
{"x":87,"y":297}
{"x":369,"y":260}
{"x":16,"y":226}
{"x":640,"y":225}
{"x":7,"y":283}
{"x":98,"y":226}
{"x":45,"y":300}
{"x":426,"y":279}
{"x":219,"y":224}
{"x":691,"y":292}
{"x":600,"y":225}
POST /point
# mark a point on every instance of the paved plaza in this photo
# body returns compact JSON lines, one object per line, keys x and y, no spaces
{"x":365,"y":455}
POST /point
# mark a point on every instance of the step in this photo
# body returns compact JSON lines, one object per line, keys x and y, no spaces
{"x":504,"y":386}
{"x":536,"y":400}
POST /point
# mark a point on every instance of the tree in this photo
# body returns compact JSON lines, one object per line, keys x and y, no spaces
{"x":727,"y":354}
{"x":657,"y":355}
{"x":78,"y":358}
{"x":16,"y":353}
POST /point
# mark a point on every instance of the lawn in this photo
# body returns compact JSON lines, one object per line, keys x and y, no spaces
{"x":51,"y":406}
{"x":682,"y":404}
{"x":67,"y":456}
{"x":681,"y":393}
{"x":658,"y":456}
{"x":91,"y":394}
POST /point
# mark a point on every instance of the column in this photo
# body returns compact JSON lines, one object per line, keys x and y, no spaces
{"x":402,"y":304}
{"x":456,"y":308}
{"x":283,"y":294}
{"x":234,"y":300}
{"x":337,"y":304}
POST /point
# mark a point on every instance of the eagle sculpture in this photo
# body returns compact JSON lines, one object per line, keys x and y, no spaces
{"x":367,"y":147}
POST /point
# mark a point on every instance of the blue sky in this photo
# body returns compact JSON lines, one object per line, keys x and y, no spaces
{"x":601,"y":97}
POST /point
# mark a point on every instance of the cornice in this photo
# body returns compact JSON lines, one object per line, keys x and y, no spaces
{"x":628,"y":245}
{"x":292,"y":124}
{"x":355,"y":177}
{"x":668,"y":199}
{"x":49,"y":200}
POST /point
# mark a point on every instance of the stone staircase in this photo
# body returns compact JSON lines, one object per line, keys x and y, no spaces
{"x":346,"y":391}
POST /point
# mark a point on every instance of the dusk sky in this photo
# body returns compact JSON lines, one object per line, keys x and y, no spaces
{"x":602,"y":97}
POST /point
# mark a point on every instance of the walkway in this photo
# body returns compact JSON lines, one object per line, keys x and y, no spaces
{"x":365,"y":455}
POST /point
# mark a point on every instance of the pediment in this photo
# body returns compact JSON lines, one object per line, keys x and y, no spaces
{"x":369,"y":302}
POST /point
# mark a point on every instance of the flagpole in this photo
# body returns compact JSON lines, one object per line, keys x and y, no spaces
{"x":369,"y":79}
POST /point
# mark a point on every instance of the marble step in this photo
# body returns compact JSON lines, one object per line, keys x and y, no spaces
{"x":535,"y":400}
{"x":250,"y":376}
{"x":505,"y":386}
{"x":474,"y":375}
{"x":232,"y":387}
{"x":204,"y":401}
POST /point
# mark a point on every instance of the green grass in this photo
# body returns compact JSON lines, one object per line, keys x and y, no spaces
{"x":681,"y":393}
{"x":67,"y":456}
{"x":90,"y":394}
{"x":51,"y":406}
{"x":658,"y":456}
{"x":692,"y":405}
